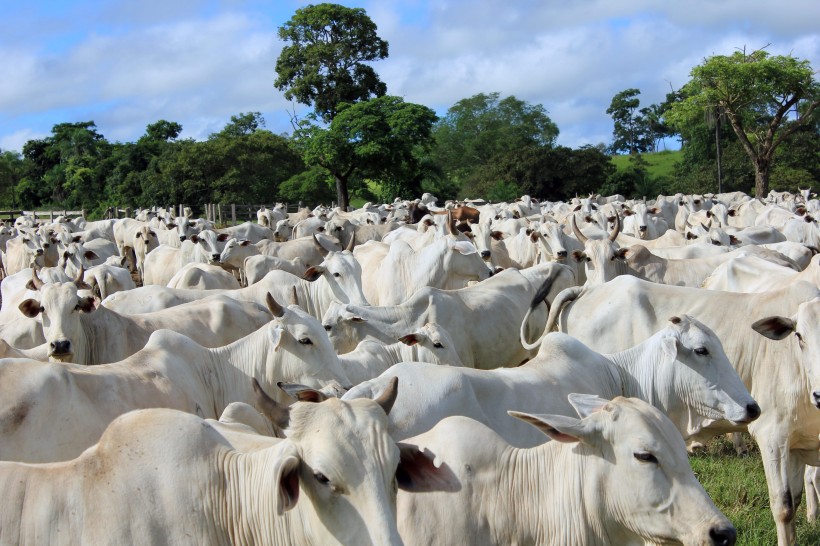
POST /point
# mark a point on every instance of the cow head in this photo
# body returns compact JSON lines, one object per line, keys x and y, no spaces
{"x":603,"y":260}
{"x":805,"y":326}
{"x":60,"y":306}
{"x":342,"y":273}
{"x":640,"y":460}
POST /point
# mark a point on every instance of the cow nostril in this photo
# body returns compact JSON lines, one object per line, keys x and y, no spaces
{"x":816,"y":396}
{"x":753,"y":410}
{"x":485,"y":253}
{"x":642,"y":228}
{"x":725,"y":536}
{"x":328,"y":327}
{"x":562,"y":253}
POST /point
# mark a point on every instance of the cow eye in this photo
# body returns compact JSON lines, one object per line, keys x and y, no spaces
{"x":321,"y":478}
{"x":645,"y":457}
{"x":305,"y":341}
{"x":702,"y":351}
{"x":437,"y":345}
{"x":77,"y":307}
{"x":337,"y":274}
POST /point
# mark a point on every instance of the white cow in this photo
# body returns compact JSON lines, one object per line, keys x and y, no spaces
{"x":445,"y":263}
{"x":620,"y":475}
{"x":203,"y":277}
{"x":787,"y":430}
{"x":681,"y":370}
{"x":482,"y":319}
{"x":58,"y":410}
{"x":79,"y":330}
{"x":331,"y":481}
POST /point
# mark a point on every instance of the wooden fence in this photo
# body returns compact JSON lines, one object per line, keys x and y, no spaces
{"x":40,"y":214}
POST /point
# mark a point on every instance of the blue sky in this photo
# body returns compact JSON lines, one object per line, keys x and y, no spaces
{"x":127,"y":64}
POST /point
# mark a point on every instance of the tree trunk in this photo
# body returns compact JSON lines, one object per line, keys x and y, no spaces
{"x":761,"y":179}
{"x":341,"y":192}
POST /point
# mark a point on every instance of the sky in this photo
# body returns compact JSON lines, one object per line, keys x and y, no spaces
{"x":126,"y":64}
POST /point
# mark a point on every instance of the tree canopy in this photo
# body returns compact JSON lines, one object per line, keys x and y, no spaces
{"x":382,"y":139}
{"x":324,"y":64}
{"x":756,"y":92}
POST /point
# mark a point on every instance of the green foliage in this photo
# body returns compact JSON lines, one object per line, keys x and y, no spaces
{"x":311,"y":186}
{"x":631,"y":133}
{"x":324,"y":64}
{"x":553,"y":173}
{"x":755,"y":92}
{"x":383,"y":139}
{"x":11,"y":172}
{"x":478,"y":131}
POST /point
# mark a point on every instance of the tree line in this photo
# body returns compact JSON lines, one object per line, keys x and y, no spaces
{"x":745,"y":121}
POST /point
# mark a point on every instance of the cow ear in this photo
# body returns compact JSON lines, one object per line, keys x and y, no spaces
{"x":732,"y":212}
{"x":91,"y":255}
{"x":313,"y":273}
{"x":77,"y":239}
{"x":558,"y":427}
{"x":578,"y":255}
{"x":302,"y":393}
{"x":733,"y":240}
{"x":410,"y":339}
{"x":775,"y":328}
{"x":278,"y":414}
{"x":138,"y":235}
{"x":195,"y":238}
{"x":222,"y":237}
{"x":690,"y":235}
{"x":621,"y":253}
{"x":587,"y":404}
{"x":31,"y":307}
{"x":275,"y":335}
{"x":287,"y":480}
{"x":417,"y":471}
{"x":244,"y":242}
{"x":497,"y":235}
{"x":87,"y":304}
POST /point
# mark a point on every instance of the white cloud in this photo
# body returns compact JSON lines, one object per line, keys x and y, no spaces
{"x":198,"y":62}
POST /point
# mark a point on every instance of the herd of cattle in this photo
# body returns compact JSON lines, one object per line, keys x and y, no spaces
{"x":395,"y":374}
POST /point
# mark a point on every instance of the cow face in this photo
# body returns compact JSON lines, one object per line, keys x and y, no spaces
{"x":602,"y":259}
{"x":638,"y":457}
{"x":432,"y":343}
{"x":60,"y":307}
{"x":702,"y":376}
{"x":805,"y":326}
{"x":343,"y":275}
{"x":554,"y":241}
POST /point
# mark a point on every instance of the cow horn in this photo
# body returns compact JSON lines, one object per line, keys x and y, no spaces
{"x":78,"y":279}
{"x":278,"y":414}
{"x":388,"y":397}
{"x":350,"y":244}
{"x":450,"y":228}
{"x":615,"y":230}
{"x":322,"y":250}
{"x":277,"y":310}
{"x":294,"y":298}
{"x":580,"y":236}
{"x":35,"y":279}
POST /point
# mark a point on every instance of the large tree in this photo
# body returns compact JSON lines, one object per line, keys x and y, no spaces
{"x":324,"y":64}
{"x":756,"y":93}
{"x":383,"y":139}
{"x":480,"y":130}
{"x":631,"y":133}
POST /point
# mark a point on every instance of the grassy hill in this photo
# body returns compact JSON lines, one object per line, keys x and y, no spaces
{"x":660,"y":163}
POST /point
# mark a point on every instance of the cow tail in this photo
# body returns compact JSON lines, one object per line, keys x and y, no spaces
{"x":563,"y":298}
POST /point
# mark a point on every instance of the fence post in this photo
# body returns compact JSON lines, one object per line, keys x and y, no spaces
{"x":233,"y":214}
{"x":219,"y":210}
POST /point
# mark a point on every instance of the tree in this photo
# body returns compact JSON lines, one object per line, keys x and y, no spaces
{"x":756,"y":92}
{"x":243,"y":124}
{"x":383,"y":139}
{"x":480,"y":130}
{"x":324,"y":65}
{"x":163,"y":130}
{"x":631,"y":133}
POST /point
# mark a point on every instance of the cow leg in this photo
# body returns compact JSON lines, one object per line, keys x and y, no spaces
{"x":740,"y":444}
{"x":811,"y":481}
{"x":775,"y":454}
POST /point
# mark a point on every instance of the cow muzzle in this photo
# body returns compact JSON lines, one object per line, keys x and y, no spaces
{"x":561,"y":255}
{"x":815,"y":398}
{"x":60,"y":348}
{"x":723,"y":536}
{"x":485,"y":254}
{"x":752,"y":412}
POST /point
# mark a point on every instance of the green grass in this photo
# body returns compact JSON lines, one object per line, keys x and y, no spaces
{"x":738,"y":487}
{"x":659,"y":163}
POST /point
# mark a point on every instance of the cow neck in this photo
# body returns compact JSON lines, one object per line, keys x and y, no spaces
{"x":232,"y":367}
{"x":250,"y":488}
{"x":549,"y":486}
{"x":641,"y":370}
